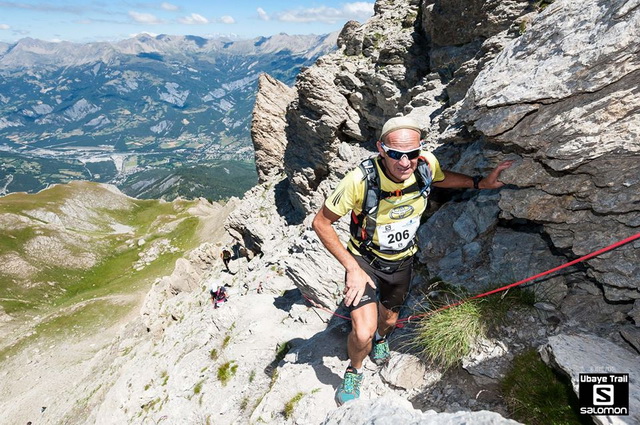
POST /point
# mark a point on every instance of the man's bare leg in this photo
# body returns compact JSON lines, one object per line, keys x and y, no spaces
{"x":364,"y":323}
{"x":386,"y":320}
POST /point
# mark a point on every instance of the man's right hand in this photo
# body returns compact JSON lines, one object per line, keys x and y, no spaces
{"x":357,"y":279}
{"x":356,"y":283}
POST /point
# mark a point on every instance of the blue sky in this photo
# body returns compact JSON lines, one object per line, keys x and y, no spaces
{"x":104,"y":20}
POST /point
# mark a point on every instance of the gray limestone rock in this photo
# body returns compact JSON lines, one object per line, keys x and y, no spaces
{"x":392,"y":410}
{"x":631,"y":334}
{"x":488,"y":359}
{"x":267,"y":125}
{"x":458,"y":22}
{"x":404,"y":371}
{"x":314,"y":271}
{"x":462,"y":244}
{"x":351,"y":38}
{"x":635,"y":313}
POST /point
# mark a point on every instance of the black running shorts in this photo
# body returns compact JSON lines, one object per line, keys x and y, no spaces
{"x":392,"y":287}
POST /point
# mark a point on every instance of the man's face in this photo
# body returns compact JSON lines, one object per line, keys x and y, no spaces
{"x":402,"y":140}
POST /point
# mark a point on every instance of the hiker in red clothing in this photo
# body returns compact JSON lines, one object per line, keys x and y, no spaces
{"x":219,"y":296}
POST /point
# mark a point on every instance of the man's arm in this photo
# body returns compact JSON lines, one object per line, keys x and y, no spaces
{"x":454,"y":180}
{"x":357,"y":279}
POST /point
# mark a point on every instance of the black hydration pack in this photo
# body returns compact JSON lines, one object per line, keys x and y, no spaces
{"x":363,"y":225}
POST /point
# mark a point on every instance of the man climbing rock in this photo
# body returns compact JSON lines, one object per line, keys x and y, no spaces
{"x":386,"y":197}
{"x":226,"y":258}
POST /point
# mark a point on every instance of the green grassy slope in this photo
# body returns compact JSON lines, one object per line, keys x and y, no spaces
{"x":71,"y":255}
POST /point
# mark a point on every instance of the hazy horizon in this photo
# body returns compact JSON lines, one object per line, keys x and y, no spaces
{"x":212,"y":36}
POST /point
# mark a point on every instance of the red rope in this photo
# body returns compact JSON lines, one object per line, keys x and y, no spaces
{"x":400,"y":322}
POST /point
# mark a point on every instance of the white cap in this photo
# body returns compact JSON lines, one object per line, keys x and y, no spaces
{"x":397,"y":123}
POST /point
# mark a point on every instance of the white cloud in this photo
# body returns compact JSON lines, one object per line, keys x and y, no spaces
{"x":262,"y":14}
{"x":227,"y":20}
{"x":144,"y":18}
{"x":358,"y":10}
{"x":194,"y":19}
{"x":4,"y":27}
{"x":169,"y":6}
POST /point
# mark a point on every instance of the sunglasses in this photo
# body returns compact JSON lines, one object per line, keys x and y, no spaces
{"x":397,"y":154}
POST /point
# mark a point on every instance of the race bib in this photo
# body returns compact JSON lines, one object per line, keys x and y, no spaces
{"x":396,"y":236}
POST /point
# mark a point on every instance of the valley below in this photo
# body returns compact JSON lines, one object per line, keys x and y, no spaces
{"x":158,"y":116}
{"x":76,"y":263}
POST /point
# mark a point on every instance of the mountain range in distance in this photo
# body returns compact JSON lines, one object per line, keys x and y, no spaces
{"x":159,"y":116}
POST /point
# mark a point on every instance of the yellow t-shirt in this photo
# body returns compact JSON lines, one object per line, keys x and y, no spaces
{"x":398,"y":217}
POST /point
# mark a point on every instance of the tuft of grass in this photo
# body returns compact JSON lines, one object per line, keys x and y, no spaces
{"x":448,"y":335}
{"x":213,"y":354}
{"x":226,"y":341}
{"x":252,"y":376}
{"x":281,"y":350}
{"x":445,"y":337}
{"x":542,"y":4}
{"x":151,"y":404}
{"x":165,"y":377}
{"x":536,"y":395}
{"x":522,"y":27}
{"x":291,"y":405}
{"x":226,"y":371}
{"x":198,"y":388}
{"x":244,"y":403}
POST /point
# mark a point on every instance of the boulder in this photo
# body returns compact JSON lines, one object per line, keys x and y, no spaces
{"x":351,"y":38}
{"x":404,"y":371}
{"x":391,"y":410}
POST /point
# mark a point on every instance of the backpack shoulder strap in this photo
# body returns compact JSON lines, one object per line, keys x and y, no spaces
{"x":423,"y":176}
{"x":371,"y":185}
{"x":363,"y":225}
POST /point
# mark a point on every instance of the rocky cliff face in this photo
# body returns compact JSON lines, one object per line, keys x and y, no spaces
{"x":564,"y":97}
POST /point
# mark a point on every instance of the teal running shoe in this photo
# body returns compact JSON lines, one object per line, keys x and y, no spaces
{"x":349,"y":388}
{"x":380,"y":353}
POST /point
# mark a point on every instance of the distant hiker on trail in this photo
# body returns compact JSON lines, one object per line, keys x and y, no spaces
{"x":226,"y":258}
{"x":386,"y":197}
{"x":218,"y":296}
